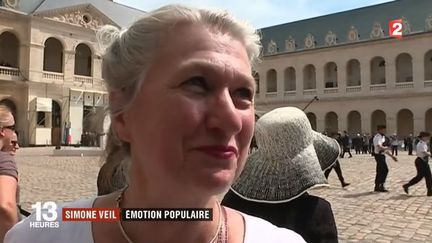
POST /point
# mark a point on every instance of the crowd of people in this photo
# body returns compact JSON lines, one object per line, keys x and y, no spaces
{"x":181,"y":97}
{"x":363,"y":144}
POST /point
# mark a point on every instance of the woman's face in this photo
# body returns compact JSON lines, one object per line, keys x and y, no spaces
{"x":11,"y":144}
{"x":7,"y":129}
{"x":191,"y":124}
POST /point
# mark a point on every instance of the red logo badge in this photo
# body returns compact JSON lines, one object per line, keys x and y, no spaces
{"x":395,"y":28}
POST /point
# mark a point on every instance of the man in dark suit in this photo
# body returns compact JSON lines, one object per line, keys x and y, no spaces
{"x":409,"y":142}
{"x":346,"y":145}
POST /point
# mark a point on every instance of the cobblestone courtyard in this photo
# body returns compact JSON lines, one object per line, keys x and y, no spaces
{"x":361,"y":215}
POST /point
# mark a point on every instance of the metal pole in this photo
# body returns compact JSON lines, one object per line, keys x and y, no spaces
{"x":310,"y":102}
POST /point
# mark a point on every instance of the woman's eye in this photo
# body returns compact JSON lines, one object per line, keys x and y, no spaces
{"x":197,"y":84}
{"x":244,"y":93}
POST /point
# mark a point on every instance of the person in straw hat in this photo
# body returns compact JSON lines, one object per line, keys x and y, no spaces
{"x":290,"y":160}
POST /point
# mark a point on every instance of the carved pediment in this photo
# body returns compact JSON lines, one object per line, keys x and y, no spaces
{"x":85,"y":16}
{"x":406,"y":29}
{"x":377,"y":31}
{"x":290,"y":44}
{"x":309,"y":41}
{"x":10,"y":3}
{"x":353,"y":34}
{"x":330,"y":39}
{"x":272,"y":47}
{"x":428,"y":23}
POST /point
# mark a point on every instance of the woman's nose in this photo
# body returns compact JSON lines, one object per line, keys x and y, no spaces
{"x":224,"y":115}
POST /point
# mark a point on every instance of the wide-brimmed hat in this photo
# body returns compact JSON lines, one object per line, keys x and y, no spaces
{"x":290,"y":158}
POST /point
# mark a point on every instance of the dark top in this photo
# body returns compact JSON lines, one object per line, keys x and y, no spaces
{"x":8,"y":165}
{"x":345,"y":140}
{"x":309,"y":216}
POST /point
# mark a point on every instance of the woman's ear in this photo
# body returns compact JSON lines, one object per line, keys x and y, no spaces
{"x":121,"y":130}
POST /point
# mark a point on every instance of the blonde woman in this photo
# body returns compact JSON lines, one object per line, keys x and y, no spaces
{"x":182,"y":111}
{"x":8,"y":174}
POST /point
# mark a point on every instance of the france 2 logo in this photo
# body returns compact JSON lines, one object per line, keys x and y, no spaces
{"x":395,"y":28}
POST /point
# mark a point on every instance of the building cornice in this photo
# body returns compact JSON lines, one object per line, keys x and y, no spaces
{"x":343,"y":45}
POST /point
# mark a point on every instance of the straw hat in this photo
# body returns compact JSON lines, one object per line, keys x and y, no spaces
{"x":290,"y":158}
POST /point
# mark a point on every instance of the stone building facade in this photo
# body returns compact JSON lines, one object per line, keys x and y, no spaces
{"x":50,"y":67}
{"x":360,"y":76}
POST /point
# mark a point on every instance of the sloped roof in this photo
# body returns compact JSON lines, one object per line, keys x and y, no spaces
{"x":363,"y":19}
{"x":121,"y":14}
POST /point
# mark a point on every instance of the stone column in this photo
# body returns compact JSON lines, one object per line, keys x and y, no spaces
{"x":366,"y":123}
{"x":365,"y":75}
{"x":341,"y":77}
{"x":319,"y":71}
{"x":342,"y":122}
{"x":280,"y":82}
{"x":418,"y":71}
{"x":69,"y":65}
{"x":97,"y":69}
{"x":391,"y":124}
{"x":36,"y":65}
{"x":419,"y":124}
{"x":390,"y":72}
{"x":299,"y":82}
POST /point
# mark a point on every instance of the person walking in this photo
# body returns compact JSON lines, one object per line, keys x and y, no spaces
{"x":358,"y":143}
{"x":346,"y":145}
{"x":338,"y":170}
{"x":394,"y":144}
{"x":422,"y":164}
{"x":380,"y":148}
{"x":365,"y":149}
{"x":409,"y":142}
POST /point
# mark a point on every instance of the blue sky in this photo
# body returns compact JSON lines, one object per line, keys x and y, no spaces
{"x":263,"y":13}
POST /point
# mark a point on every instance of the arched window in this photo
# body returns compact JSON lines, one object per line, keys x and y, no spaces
{"x":271,"y":81}
{"x":353,"y":73}
{"x":83,"y":60}
{"x":309,"y":77}
{"x":331,"y":123}
{"x":405,"y":123}
{"x":312,"y":119}
{"x":290,"y":79}
{"x":428,"y":120}
{"x":330,"y":75}
{"x":257,"y":81}
{"x":378,"y":118}
{"x":428,"y":65}
{"x":9,"y":50}
{"x":378,"y":70}
{"x":53,"y":56}
{"x":354,"y":122}
{"x":404,"y":68}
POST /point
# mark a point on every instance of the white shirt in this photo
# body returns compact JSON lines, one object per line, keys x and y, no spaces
{"x":378,"y":140}
{"x":421,"y":149}
{"x":394,"y":141}
{"x":256,"y":230}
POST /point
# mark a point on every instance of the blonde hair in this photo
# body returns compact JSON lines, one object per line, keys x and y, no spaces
{"x":5,"y":115}
{"x":130,"y":52}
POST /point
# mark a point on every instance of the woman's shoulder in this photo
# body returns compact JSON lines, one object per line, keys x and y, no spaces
{"x":53,"y":230}
{"x":258,"y":230}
